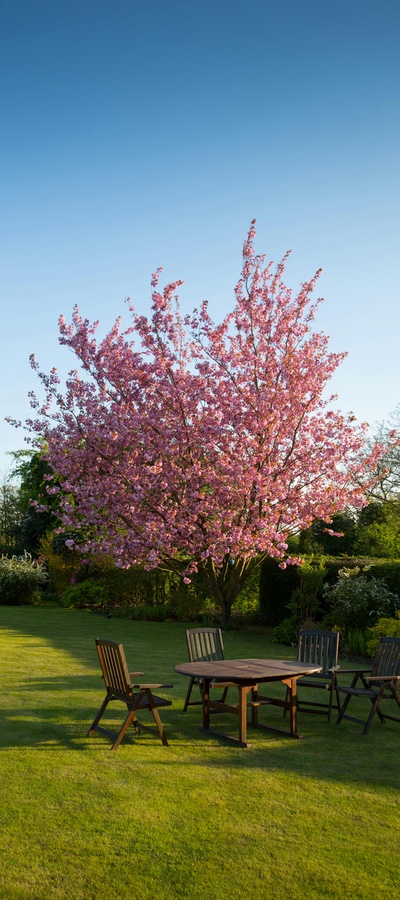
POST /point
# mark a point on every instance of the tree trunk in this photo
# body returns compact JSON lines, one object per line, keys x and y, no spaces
{"x":226,"y":583}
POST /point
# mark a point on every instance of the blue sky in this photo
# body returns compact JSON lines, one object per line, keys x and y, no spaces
{"x":136,"y":135}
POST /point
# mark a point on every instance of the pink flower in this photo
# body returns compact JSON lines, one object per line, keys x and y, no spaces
{"x":203,"y":442}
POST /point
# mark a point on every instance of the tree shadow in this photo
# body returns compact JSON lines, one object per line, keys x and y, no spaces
{"x":53,"y":711}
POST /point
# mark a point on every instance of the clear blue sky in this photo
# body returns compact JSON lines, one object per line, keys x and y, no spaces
{"x":143,"y":134}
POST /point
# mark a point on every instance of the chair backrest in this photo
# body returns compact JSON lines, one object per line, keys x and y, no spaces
{"x":387,"y":659}
{"x":114,"y":668}
{"x":319,"y":647}
{"x":204,"y":644}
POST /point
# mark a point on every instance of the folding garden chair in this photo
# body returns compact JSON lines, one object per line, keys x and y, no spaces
{"x":381,"y":682}
{"x":119,"y":687}
{"x":204,"y":644}
{"x":321,"y":648}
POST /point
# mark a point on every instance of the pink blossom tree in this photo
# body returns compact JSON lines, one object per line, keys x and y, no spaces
{"x":197,"y":447}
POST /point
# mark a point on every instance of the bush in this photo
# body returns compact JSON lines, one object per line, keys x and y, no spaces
{"x":145,"y":612}
{"x":126,"y":586}
{"x":355,"y":643}
{"x":20,"y":579}
{"x":277,"y":585}
{"x":187,"y":604}
{"x":287,"y":631}
{"x":384,"y":628}
{"x":304,"y":601}
{"x":88,"y":595}
{"x":357,"y":602}
{"x":62,"y":567}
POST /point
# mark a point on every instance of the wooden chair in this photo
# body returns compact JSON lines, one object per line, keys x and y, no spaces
{"x":321,"y":648}
{"x":119,"y":687}
{"x":204,"y":644}
{"x":381,"y":682}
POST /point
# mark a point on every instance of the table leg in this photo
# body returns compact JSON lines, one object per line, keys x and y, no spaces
{"x":290,"y":703}
{"x":239,"y":710}
{"x":206,"y":703}
{"x":243,"y":691}
{"x":254,"y":705}
{"x":292,"y":685}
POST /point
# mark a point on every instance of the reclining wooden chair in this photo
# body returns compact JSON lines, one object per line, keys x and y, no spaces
{"x":322,"y":649}
{"x":204,"y":644}
{"x":119,"y":687}
{"x":381,"y":682}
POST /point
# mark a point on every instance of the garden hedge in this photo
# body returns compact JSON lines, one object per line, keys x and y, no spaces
{"x":277,"y":585}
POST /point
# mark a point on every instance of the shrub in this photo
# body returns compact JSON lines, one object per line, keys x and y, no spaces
{"x":88,"y":595}
{"x":383,"y":628}
{"x":145,"y":612}
{"x":355,"y":643}
{"x":304,"y":602}
{"x":357,"y":602}
{"x":20,"y":579}
{"x":125,"y":586}
{"x":277,"y":585}
{"x":287,"y":631}
{"x":62,"y":567}
{"x":187,"y":604}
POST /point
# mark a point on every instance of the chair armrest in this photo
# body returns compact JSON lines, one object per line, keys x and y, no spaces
{"x":144,"y":687}
{"x":383,"y":678}
{"x":135,"y":674}
{"x":355,"y":671}
{"x":335,"y":669}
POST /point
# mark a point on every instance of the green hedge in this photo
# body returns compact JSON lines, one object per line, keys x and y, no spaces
{"x":276,"y":588}
{"x":277,"y":585}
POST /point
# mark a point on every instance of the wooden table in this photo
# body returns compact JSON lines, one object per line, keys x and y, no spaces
{"x":246,"y":675}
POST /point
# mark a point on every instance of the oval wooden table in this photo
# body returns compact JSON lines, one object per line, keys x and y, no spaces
{"x":246,"y":675}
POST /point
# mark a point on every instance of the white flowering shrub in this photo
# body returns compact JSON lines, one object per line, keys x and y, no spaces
{"x":357,"y":602}
{"x":20,"y":578}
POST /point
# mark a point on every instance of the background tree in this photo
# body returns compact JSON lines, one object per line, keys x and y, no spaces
{"x":387,"y":484}
{"x":10,"y":516}
{"x":319,"y":538}
{"x":378,"y":531}
{"x":198,"y":447}
{"x":33,"y":472}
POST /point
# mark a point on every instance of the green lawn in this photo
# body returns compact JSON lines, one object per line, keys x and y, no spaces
{"x":297,"y":820}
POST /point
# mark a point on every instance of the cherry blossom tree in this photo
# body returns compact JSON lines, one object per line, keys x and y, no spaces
{"x":199,"y":447}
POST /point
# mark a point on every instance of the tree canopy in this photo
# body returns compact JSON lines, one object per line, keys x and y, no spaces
{"x":202,"y":447}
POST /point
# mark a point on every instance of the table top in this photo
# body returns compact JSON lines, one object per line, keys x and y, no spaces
{"x":247,"y":671}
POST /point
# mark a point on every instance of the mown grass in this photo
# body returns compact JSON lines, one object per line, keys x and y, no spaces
{"x":198,"y":819}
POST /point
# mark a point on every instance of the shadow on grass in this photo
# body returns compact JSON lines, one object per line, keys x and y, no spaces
{"x":74,"y":632}
{"x":49,"y":715}
{"x":54,"y":711}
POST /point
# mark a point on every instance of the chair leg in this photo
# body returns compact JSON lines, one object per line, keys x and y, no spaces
{"x":331,"y":692}
{"x":188,"y":693}
{"x":131,"y":717}
{"x":375,"y":709}
{"x":342,"y":709}
{"x":135,"y":721}
{"x":99,"y":715}
{"x":156,"y":717}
